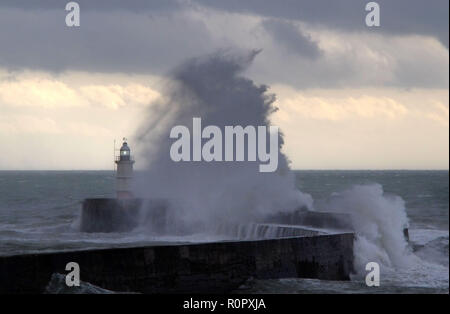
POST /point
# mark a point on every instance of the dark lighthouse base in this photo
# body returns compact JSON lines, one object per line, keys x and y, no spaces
{"x":119,"y":215}
{"x":122,"y":215}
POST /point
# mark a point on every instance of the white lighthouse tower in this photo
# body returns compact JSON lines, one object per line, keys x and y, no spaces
{"x":124,"y":174}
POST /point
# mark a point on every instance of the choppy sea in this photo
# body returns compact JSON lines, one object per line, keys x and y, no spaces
{"x":39,"y":211}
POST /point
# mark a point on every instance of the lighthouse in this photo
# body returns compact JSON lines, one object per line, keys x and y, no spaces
{"x":124,"y":174}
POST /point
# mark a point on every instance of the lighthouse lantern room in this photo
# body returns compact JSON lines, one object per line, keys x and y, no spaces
{"x":124,"y":173}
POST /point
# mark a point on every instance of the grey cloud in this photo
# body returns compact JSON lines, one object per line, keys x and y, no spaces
{"x":102,"y":5}
{"x":291,"y":37}
{"x":154,"y":36}
{"x":117,"y":41}
{"x":397,"y":16}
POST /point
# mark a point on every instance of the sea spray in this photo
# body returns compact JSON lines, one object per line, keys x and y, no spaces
{"x":378,"y":220}
{"x":203,"y":194}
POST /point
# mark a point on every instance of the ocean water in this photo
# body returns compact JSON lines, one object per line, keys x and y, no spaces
{"x":39,"y":211}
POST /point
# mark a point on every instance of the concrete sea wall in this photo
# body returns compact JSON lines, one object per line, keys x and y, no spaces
{"x":216,"y":267}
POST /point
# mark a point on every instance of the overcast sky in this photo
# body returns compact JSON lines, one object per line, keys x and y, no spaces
{"x":349,"y":96}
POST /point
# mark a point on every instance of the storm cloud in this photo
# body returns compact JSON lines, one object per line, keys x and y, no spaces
{"x":326,"y":42}
{"x":292,"y":38}
{"x":397,"y":17}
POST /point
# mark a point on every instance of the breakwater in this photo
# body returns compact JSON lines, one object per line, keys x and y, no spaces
{"x":217,"y":267}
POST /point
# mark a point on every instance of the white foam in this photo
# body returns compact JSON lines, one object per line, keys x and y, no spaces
{"x":379,"y":220}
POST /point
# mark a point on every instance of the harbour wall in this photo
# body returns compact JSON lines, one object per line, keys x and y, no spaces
{"x":218,"y":267}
